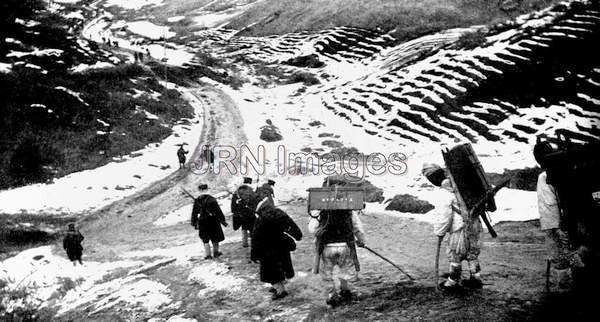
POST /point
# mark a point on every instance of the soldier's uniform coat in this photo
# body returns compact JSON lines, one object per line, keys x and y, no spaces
{"x":207,"y":218}
{"x":242,"y":209}
{"x":72,"y":244}
{"x":269,"y":243}
{"x":181,"y":155}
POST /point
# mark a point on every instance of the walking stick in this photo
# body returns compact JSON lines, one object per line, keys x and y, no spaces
{"x":437,"y":262}
{"x":188,"y":193}
{"x":389,"y":261}
{"x":547,"y":275}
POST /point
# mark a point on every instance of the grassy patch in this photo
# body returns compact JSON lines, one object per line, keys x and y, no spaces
{"x":406,"y":19}
{"x":470,"y":40}
{"x":57,"y":122}
{"x":40,"y":230}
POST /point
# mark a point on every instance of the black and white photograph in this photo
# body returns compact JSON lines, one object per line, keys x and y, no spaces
{"x":299,"y":160}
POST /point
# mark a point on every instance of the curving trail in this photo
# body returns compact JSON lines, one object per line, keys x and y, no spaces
{"x":127,"y":223}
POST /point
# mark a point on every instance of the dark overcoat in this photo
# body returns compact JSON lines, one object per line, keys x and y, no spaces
{"x":72,"y":244}
{"x":269,"y":240}
{"x":242,"y":208}
{"x":181,"y":155}
{"x":207,"y":217}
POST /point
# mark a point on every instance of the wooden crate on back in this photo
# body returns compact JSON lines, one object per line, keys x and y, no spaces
{"x":467,"y":176}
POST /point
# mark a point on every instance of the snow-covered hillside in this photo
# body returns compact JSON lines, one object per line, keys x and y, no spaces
{"x":529,"y":77}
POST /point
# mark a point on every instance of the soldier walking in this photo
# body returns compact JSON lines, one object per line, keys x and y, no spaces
{"x":243,"y":211}
{"x":72,"y":245}
{"x":207,"y":218}
{"x":181,"y":156}
{"x":208,"y":156}
{"x":266,"y":189}
{"x":337,"y":233}
{"x":272,"y":241}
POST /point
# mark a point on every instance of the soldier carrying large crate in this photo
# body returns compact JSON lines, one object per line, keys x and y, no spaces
{"x":338,"y":230}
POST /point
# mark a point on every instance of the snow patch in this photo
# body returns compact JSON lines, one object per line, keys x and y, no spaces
{"x":5,"y":68}
{"x":98,"y":65}
{"x":75,"y":15}
{"x":175,"y":19}
{"x":43,"y":52}
{"x":40,"y":271}
{"x":215,"y":276}
{"x":133,"y":4}
{"x":72,"y":93}
{"x":136,"y":291}
{"x":150,"y":30}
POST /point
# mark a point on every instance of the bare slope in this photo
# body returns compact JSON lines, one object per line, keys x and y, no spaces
{"x":409,"y":18}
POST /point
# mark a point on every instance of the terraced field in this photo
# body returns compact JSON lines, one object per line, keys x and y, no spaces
{"x":528,"y":77}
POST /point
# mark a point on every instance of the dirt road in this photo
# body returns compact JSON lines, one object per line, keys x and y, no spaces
{"x":127,"y":224}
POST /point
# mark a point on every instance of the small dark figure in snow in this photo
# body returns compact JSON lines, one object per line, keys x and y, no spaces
{"x":266,"y":189}
{"x":72,"y":244}
{"x":181,"y":156}
{"x":207,"y":218}
{"x":208,"y":156}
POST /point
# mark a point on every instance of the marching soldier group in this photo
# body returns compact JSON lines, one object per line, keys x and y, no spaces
{"x":272,"y":234}
{"x":339,"y":232}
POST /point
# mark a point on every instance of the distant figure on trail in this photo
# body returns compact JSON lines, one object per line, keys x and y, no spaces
{"x":243,"y":210}
{"x":208,"y":156}
{"x":272,"y":241}
{"x":266,"y":189}
{"x":207,"y":218}
{"x":72,"y":244}
{"x":181,"y":156}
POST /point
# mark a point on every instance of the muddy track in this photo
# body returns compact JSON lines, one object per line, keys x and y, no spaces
{"x":128,"y":222}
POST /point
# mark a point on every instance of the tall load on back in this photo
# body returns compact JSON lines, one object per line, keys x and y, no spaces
{"x":574,"y":170}
{"x":470,"y":182}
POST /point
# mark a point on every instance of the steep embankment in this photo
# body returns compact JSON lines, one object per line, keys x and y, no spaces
{"x":71,"y":104}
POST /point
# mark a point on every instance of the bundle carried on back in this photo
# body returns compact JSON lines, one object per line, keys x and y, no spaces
{"x":474,"y":192}
{"x":573,"y":168}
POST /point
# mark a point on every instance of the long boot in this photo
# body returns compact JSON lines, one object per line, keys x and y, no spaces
{"x":244,"y":238}
{"x":280,"y":291}
{"x":333,"y":298}
{"x":216,"y":252}
{"x":207,"y":253}
{"x":475,"y":271}
{"x":345,"y":292}
{"x":452,"y":283}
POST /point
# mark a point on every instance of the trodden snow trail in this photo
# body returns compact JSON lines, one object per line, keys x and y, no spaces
{"x":127,"y":224}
